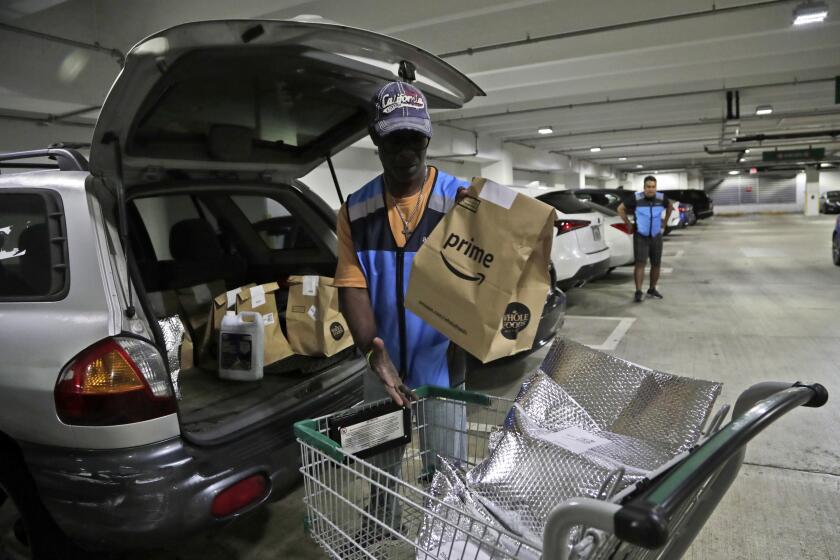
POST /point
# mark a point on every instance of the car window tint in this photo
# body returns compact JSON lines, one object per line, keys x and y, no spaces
{"x":833,"y":195}
{"x":31,"y":265}
{"x":274,"y":223}
{"x":160,"y":214}
{"x":566,"y":202}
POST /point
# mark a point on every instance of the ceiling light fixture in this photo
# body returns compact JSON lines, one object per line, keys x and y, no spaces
{"x":546,"y":130}
{"x":825,"y":165}
{"x":810,"y":12}
{"x":747,"y":151}
{"x":734,"y":172}
{"x":639,"y":166}
{"x":622,"y":159}
{"x":595,"y":149}
{"x":742,"y":160}
{"x":763,"y":110}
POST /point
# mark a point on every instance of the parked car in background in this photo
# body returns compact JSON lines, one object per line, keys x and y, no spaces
{"x":687,"y":215}
{"x":702,"y":203}
{"x":619,"y":237}
{"x":835,"y":242}
{"x":190,"y":192}
{"x":579,"y":251}
{"x":830,"y":202}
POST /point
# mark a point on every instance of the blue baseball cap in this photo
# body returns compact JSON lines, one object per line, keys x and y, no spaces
{"x":400,"y":106}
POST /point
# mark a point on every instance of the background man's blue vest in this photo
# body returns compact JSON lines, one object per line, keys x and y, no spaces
{"x":649,"y":214}
{"x":417,"y":349}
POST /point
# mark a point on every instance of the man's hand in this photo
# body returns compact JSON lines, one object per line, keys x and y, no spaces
{"x":462,"y":194}
{"x":381,"y":364}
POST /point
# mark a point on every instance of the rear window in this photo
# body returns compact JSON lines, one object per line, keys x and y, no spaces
{"x":833,"y":195}
{"x":268,"y":108}
{"x":566,"y":202}
{"x":33,"y":250}
{"x":274,"y":223}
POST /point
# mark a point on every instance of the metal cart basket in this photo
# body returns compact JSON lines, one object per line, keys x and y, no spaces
{"x":380,"y":507}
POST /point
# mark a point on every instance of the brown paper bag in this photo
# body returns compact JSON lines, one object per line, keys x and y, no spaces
{"x":315,"y":325}
{"x":208,"y":348}
{"x":481,"y":278}
{"x":261,"y":300}
{"x":186,"y":352}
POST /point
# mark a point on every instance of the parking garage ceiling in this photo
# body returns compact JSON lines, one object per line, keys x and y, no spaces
{"x":646,"y":81}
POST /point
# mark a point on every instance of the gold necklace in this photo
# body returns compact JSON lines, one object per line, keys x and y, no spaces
{"x":407,"y":231}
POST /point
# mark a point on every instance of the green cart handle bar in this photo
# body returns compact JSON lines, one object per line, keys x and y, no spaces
{"x":307,"y":430}
{"x":643,"y":520}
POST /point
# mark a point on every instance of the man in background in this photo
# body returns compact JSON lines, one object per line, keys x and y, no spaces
{"x":647,"y":207}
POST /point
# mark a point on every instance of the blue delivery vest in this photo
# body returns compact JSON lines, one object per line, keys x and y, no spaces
{"x":649,"y":214}
{"x":417,"y":349}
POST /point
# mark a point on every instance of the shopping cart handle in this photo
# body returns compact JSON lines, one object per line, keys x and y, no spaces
{"x":307,"y":432}
{"x":643,"y":520}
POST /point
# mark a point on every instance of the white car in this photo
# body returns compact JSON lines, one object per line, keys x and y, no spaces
{"x":579,"y":251}
{"x":618,"y":236}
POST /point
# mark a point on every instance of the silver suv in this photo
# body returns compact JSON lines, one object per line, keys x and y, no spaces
{"x":191,"y":190}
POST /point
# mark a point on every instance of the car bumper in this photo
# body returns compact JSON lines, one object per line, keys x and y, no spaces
{"x":553,"y":317}
{"x":705,"y":214}
{"x":586,"y":273}
{"x":157,"y":494}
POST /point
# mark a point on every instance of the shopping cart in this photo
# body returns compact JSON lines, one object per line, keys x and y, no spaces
{"x":657,"y":517}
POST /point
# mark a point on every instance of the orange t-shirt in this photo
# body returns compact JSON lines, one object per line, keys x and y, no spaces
{"x":348,"y":273}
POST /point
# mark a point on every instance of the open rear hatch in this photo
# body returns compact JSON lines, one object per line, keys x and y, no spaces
{"x":238,"y":103}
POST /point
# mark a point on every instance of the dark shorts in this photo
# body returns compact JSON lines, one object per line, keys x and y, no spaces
{"x":644,"y":247}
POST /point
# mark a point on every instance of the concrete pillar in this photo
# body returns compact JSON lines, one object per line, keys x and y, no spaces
{"x":812,"y":191}
{"x":500,"y":170}
{"x":571,"y":180}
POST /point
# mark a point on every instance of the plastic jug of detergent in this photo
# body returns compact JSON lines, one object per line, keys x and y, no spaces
{"x":241,"y":346}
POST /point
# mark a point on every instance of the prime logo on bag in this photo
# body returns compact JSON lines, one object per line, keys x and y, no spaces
{"x":515,"y":319}
{"x":471,"y":251}
{"x":336,"y":330}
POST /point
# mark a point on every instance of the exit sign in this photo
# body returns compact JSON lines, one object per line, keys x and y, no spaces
{"x":793,"y":155}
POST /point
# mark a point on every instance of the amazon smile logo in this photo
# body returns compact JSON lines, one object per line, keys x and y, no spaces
{"x":471,"y":251}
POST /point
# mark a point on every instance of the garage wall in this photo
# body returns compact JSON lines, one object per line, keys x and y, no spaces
{"x":829,"y":181}
{"x":778,"y":192}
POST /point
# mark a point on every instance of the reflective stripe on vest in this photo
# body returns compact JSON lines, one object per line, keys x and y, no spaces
{"x":417,"y":350}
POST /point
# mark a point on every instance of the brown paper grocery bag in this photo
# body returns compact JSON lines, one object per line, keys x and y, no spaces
{"x":186,"y":352}
{"x":207,"y":349}
{"x":261,"y":300}
{"x":313,"y":322}
{"x":481,"y":278}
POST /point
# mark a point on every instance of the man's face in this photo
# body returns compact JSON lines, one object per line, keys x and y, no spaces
{"x":403,"y":154}
{"x":650,"y":189}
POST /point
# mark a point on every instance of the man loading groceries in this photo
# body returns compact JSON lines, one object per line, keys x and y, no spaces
{"x":380,"y":229}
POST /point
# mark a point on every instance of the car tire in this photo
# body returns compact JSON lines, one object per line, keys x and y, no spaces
{"x":835,"y":249}
{"x":45,"y":539}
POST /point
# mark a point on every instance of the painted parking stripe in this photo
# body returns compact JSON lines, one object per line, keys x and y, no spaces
{"x":624,"y":324}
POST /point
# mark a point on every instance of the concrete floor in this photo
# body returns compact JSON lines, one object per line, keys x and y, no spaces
{"x":748,"y":299}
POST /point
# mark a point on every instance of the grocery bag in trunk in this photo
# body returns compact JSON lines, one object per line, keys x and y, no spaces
{"x":315,"y":325}
{"x":481,"y":278}
{"x":260,"y":299}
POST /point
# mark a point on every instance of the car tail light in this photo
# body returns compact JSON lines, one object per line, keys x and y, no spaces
{"x":116,"y":381}
{"x":622,"y":227}
{"x":682,"y":209}
{"x":565,"y":226}
{"x":240,"y":495}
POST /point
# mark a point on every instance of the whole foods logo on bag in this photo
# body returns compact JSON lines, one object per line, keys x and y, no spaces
{"x":471,"y":250}
{"x":336,"y":330}
{"x":515,"y":319}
